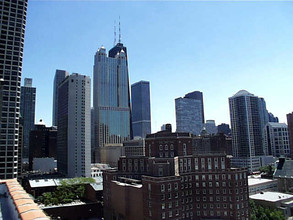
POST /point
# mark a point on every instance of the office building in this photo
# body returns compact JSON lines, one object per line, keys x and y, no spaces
{"x":290,"y":131}
{"x":272,"y":118}
{"x":12,"y":27}
{"x":184,"y":186}
{"x":224,"y":128}
{"x":197,"y":95}
{"x":189,"y":113}
{"x":111,"y":98}
{"x":141,"y":108}
{"x":276,"y":139}
{"x":43,"y":142}
{"x":74,"y":126}
{"x":211,"y":127}
{"x":60,"y":75}
{"x":1,"y":97}
{"x":27,"y":111}
{"x":248,"y":118}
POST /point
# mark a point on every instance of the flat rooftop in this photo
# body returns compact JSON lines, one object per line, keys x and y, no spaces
{"x":256,"y":179}
{"x":271,"y":196}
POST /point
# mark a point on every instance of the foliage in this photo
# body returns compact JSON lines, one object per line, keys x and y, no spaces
{"x":269,"y":169}
{"x":67,"y":192}
{"x":264,"y":213}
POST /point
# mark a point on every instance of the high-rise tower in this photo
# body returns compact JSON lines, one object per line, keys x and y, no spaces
{"x":74,"y":126}
{"x":141,"y":108}
{"x":60,"y":75}
{"x":248,"y":116}
{"x":27,"y":111}
{"x":189,"y":113}
{"x":12,"y":27}
{"x":111,"y":98}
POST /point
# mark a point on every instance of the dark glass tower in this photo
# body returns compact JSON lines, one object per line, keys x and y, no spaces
{"x":12,"y":27}
{"x":27,"y":111}
{"x":141,"y":110}
{"x":197,"y":95}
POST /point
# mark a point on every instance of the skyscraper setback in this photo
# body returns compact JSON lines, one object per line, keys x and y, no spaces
{"x":74,"y":126}
{"x":111,"y":98}
{"x":60,"y":75}
{"x":27,"y":111}
{"x":12,"y":27}
{"x":248,"y":116}
{"x":141,"y":110}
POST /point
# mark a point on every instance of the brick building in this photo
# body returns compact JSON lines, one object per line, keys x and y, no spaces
{"x":182,"y":186}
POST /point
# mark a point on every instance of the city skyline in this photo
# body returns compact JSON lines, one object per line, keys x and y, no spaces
{"x":196,"y":50}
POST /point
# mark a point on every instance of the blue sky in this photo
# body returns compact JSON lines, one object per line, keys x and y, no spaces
{"x":215,"y":47}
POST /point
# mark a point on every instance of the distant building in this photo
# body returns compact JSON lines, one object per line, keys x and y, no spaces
{"x":211,"y":127}
{"x":272,"y":118}
{"x":224,"y":128}
{"x":166,"y":127}
{"x":290,"y":131}
{"x":189,"y":113}
{"x":111,"y":98}
{"x":248,"y":116}
{"x":276,"y":139}
{"x":74,"y":126}
{"x":27,"y":111}
{"x":1,"y":96}
{"x":60,"y":75}
{"x":256,"y":184}
{"x":284,"y":175}
{"x":197,"y":95}
{"x":110,"y":154}
{"x":141,"y":108}
{"x":43,"y":143}
{"x":135,"y":147}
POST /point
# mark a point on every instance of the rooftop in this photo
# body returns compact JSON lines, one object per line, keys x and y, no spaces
{"x":242,"y":93}
{"x":271,"y":196}
{"x":256,"y":179}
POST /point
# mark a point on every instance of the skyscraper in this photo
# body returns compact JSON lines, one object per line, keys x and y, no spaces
{"x":74,"y":126}
{"x":111,"y":98}
{"x":247,"y":115}
{"x":12,"y":27}
{"x":189,"y":113}
{"x":290,"y":131}
{"x":60,"y":75}
{"x":141,"y":108}
{"x":27,"y":111}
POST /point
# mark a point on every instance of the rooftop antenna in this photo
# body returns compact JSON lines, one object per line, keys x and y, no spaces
{"x":119,"y":31}
{"x":114,"y":32}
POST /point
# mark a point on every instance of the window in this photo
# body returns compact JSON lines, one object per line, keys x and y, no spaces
{"x":162,"y":188}
{"x":163,"y":206}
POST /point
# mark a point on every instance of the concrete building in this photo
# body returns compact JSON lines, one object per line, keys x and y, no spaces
{"x":248,"y":116}
{"x":12,"y":27}
{"x":43,"y":143}
{"x":135,"y":147}
{"x":290,"y":131}
{"x":256,"y":184}
{"x":111,"y":98}
{"x":276,"y":139}
{"x":189,"y":114}
{"x":60,"y":75}
{"x":141,"y":108}
{"x":27,"y":111}
{"x":284,"y":175}
{"x":74,"y":124}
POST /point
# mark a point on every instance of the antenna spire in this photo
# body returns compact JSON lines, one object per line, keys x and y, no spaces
{"x":119,"y":31}
{"x":114,"y":32}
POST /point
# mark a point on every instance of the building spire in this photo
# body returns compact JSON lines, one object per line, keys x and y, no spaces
{"x":114,"y":32}
{"x":119,"y":31}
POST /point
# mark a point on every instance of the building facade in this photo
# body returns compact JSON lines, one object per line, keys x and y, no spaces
{"x":181,"y":187}
{"x":111,"y":98}
{"x":290,"y":131}
{"x":74,"y":125}
{"x":141,"y":108}
{"x":276,"y":139}
{"x":60,"y":75}
{"x":43,"y":143}
{"x":248,"y":117}
{"x":189,"y":114}
{"x":27,"y":111}
{"x":211,"y":127}
{"x":12,"y":27}
{"x":224,"y":128}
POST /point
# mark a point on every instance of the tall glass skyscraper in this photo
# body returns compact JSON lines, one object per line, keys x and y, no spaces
{"x":248,"y":116}
{"x":60,"y":75}
{"x":189,"y":113}
{"x":12,"y":27}
{"x":27,"y":111}
{"x":111,"y":98}
{"x":141,"y":108}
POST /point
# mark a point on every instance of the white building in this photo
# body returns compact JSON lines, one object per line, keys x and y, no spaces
{"x":276,"y":141}
{"x":256,"y":184}
{"x":74,"y":126}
